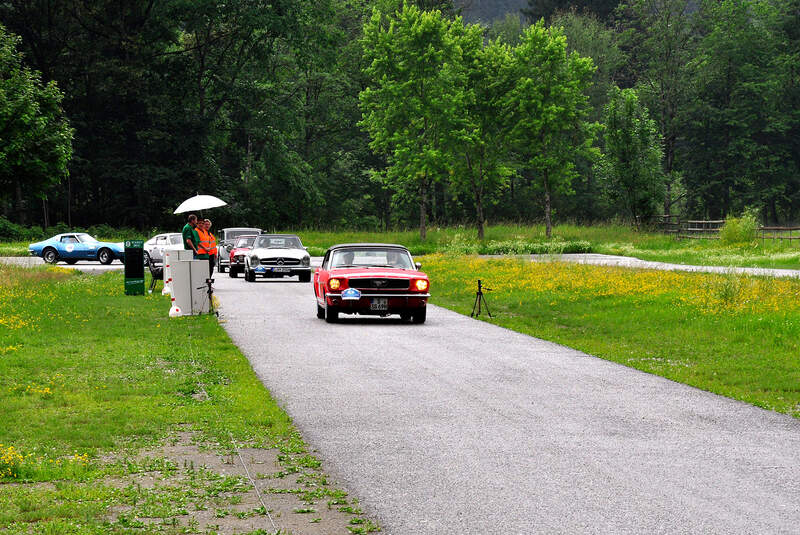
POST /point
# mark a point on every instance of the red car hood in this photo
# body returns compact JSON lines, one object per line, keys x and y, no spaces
{"x":386,"y":273}
{"x":239,"y":250}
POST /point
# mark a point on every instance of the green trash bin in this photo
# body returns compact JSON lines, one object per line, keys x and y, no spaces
{"x":134,"y":267}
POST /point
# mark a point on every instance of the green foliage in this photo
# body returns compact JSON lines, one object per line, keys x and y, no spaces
{"x":547,"y":110}
{"x":538,"y":9}
{"x":35,"y":137}
{"x":631,"y":164}
{"x":414,"y":63}
{"x":739,"y":230}
{"x":743,"y":110}
{"x":259,"y":103}
{"x":507,"y":30}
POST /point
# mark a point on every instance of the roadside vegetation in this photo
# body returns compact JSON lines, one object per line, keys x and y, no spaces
{"x":733,"y":335}
{"x":117,"y":419}
{"x":610,"y":239}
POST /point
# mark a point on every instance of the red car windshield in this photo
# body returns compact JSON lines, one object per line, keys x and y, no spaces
{"x":386,"y":257}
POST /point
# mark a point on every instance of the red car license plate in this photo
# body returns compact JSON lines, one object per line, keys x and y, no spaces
{"x":379,"y":303}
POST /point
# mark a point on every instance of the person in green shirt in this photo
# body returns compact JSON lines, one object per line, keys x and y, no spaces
{"x":190,"y":237}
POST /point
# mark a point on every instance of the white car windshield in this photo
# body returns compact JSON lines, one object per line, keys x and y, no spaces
{"x":391,"y":257}
{"x":245,"y":242}
{"x":278,"y":242}
{"x":233,"y":234}
{"x":85,"y":238}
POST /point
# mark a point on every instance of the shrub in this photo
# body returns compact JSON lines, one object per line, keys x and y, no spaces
{"x":461,"y":244}
{"x":738,"y":230}
{"x":11,"y":231}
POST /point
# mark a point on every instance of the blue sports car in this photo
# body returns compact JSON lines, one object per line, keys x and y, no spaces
{"x":75,"y":246}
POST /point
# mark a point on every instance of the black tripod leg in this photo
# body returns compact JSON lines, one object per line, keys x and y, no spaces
{"x":486,"y":305}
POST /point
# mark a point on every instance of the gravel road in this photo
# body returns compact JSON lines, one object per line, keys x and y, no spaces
{"x":627,"y":261}
{"x":461,"y":427}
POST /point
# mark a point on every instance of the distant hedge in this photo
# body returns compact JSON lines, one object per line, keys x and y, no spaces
{"x":13,"y":232}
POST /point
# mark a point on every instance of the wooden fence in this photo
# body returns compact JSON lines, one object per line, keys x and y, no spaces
{"x":695,"y":229}
{"x":779,"y":233}
{"x":701,"y":230}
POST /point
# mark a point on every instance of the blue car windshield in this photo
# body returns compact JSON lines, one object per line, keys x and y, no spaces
{"x":85,"y":238}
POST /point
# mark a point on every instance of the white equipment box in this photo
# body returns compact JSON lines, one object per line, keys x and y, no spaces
{"x":189,"y":288}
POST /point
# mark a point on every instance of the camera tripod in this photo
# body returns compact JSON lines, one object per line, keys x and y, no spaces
{"x":210,"y":293}
{"x":479,"y":298}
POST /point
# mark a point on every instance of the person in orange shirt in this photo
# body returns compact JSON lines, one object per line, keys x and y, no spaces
{"x":212,"y":247}
{"x":203,"y":241}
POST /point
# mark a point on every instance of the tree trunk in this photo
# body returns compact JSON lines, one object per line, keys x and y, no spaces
{"x":668,"y":198}
{"x":479,"y":210}
{"x":20,"y":205}
{"x":547,"y":223}
{"x":423,"y":209}
{"x":45,"y":218}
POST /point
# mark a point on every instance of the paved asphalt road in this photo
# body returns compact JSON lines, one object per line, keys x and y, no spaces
{"x":461,"y":427}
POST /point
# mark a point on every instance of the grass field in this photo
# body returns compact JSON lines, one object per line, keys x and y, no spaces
{"x":90,"y":379}
{"x":733,"y":335}
{"x":518,"y":239}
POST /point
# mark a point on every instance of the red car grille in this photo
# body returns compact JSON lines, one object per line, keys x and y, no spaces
{"x":379,"y":284}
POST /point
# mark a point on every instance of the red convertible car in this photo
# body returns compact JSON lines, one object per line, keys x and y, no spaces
{"x":241,"y":246}
{"x":370,"y":278}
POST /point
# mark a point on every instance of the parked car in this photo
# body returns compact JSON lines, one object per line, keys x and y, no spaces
{"x":371,"y":278}
{"x":73,"y":246}
{"x":239,"y":251}
{"x":226,"y":239}
{"x":154,"y":247}
{"x":277,"y":255}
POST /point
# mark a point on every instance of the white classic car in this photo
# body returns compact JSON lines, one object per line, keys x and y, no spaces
{"x":154,"y":247}
{"x":277,"y":255}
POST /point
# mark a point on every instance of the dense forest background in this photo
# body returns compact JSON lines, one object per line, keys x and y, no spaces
{"x":257,"y":102}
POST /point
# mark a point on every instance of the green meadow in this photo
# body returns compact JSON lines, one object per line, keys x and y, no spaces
{"x":91,"y":378}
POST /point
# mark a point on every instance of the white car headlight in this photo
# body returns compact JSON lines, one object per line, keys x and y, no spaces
{"x":306,"y":260}
{"x":254,"y":261}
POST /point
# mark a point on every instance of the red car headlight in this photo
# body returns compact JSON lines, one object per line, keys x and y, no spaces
{"x":421,"y":285}
{"x":334,"y":284}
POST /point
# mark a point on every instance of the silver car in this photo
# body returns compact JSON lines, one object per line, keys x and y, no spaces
{"x":154,"y":247}
{"x":277,"y":255}
{"x":226,"y":239}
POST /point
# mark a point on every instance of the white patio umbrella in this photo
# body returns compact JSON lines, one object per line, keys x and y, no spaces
{"x":199,"y":202}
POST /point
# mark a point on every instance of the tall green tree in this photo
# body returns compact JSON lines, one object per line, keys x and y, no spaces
{"x":590,"y":36}
{"x":411,"y":106}
{"x":661,"y":39}
{"x":738,"y":122}
{"x":483,"y":162}
{"x":35,"y":136}
{"x":631,"y":163}
{"x":547,"y":110}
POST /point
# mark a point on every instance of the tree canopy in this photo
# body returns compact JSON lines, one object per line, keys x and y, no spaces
{"x":395,"y":113}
